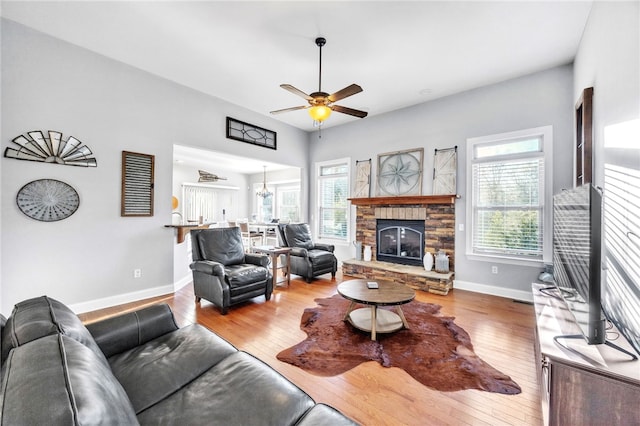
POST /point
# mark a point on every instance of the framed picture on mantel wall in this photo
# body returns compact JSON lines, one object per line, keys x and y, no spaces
{"x":400,"y":173}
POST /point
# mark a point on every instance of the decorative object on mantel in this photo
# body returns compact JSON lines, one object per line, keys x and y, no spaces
{"x":363,"y":178}
{"x":137,"y":184}
{"x":245,"y":132}
{"x":48,"y":200}
{"x":433,"y":350}
{"x":445,"y":167}
{"x":35,"y":146}
{"x":400,"y":172}
{"x":264,"y":192}
{"x":209,"y":177}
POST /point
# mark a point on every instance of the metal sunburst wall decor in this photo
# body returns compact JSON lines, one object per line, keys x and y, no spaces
{"x":49,"y":147}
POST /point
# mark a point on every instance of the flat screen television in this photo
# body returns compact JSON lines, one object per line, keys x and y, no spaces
{"x":577,"y":260}
{"x":577,"y":257}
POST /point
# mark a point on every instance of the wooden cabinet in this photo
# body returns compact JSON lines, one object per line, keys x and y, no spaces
{"x":601,"y":386}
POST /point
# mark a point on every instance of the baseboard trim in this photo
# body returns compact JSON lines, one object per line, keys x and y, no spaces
{"x":120,"y":299}
{"x":187,"y":279}
{"x":520,"y":295}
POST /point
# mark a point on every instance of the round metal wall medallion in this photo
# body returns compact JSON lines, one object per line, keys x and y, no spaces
{"x":48,"y":200}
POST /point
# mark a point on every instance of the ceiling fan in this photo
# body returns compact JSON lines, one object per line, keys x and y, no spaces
{"x":321,"y":103}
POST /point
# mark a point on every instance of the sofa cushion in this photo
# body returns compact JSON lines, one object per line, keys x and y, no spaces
{"x":164,"y":365}
{"x":43,"y":316}
{"x":239,"y":390}
{"x":56,"y":380}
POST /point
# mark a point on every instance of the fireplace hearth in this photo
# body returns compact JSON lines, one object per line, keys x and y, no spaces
{"x":400,"y":241}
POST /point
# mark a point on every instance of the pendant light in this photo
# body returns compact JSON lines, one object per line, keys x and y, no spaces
{"x":264,"y":192}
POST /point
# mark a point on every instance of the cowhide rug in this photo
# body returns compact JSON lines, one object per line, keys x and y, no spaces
{"x":434,"y":350}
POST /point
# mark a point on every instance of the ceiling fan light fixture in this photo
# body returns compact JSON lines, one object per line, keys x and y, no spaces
{"x":320,"y":113}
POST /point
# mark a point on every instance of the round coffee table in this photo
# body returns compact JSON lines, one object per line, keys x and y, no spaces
{"x":376,"y":320}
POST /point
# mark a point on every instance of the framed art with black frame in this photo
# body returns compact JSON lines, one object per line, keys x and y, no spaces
{"x":245,"y":132}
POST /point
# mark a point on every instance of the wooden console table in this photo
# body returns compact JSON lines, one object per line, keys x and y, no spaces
{"x":600,"y":387}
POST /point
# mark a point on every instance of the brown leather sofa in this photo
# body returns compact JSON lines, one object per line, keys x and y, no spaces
{"x":138,"y":368}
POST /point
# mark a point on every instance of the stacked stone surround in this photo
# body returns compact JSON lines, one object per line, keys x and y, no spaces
{"x":439,"y":224}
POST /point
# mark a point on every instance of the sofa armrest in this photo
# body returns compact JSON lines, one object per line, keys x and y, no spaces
{"x":299,"y":251}
{"x":123,"y":332}
{"x":257,"y":259}
{"x":325,"y":247}
{"x":208,"y":267}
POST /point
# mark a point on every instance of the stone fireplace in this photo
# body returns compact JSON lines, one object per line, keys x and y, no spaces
{"x":435,"y":212}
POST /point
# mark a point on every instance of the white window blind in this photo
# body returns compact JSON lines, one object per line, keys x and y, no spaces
{"x":508,"y":209}
{"x":333,"y":188}
{"x":199,"y":201}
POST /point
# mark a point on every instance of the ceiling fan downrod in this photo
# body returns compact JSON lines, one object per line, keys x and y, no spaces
{"x":320,"y":41}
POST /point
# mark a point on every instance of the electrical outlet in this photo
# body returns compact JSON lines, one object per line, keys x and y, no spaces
{"x":137,"y":273}
{"x":461,"y":227}
{"x":494,"y":269}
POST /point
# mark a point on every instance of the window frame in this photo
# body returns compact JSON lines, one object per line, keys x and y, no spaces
{"x":545,"y":133}
{"x":346,"y":162}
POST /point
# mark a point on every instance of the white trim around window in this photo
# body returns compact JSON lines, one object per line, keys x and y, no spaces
{"x":515,"y":154}
{"x":332,"y":208}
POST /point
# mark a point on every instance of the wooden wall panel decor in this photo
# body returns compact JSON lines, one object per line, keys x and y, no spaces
{"x":137,"y":184}
{"x":363,"y":179}
{"x":584,"y":138}
{"x":445,"y":167}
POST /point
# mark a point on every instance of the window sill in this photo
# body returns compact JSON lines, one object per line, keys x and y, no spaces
{"x":507,"y":260}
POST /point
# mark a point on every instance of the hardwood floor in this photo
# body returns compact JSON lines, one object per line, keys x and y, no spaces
{"x":501,"y":331}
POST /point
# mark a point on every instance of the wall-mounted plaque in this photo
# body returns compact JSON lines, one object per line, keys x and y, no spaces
{"x":137,"y":184}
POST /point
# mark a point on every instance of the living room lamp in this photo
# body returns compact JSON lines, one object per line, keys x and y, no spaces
{"x":264,"y":192}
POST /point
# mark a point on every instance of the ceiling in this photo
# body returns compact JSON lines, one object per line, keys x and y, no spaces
{"x":401,"y":53}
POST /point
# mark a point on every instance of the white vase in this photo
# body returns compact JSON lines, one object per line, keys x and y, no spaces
{"x":427,"y":261}
{"x":367,"y":253}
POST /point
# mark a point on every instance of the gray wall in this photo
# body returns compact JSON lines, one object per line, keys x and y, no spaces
{"x":544,"y":98}
{"x":88,"y":259}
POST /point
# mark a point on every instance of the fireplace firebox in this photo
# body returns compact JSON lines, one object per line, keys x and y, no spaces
{"x":400,"y":241}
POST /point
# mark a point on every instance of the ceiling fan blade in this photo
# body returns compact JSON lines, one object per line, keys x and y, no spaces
{"x":296,"y":91}
{"x":280,"y":111}
{"x":350,"y":111}
{"x":347,"y":91}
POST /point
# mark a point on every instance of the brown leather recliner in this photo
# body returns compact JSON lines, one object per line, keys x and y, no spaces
{"x":223,"y":273}
{"x":308,"y":259}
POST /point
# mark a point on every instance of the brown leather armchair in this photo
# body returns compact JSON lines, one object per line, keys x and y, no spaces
{"x":308,"y":259}
{"x":223,"y":273}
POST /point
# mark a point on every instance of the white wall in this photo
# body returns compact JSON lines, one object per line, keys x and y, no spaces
{"x":609,"y":61}
{"x":88,"y":259}
{"x":544,"y":98}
